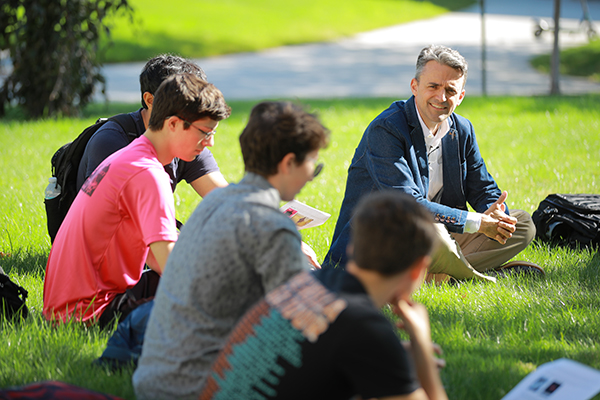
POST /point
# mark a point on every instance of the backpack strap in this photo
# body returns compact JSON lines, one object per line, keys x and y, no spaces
{"x":127,"y":123}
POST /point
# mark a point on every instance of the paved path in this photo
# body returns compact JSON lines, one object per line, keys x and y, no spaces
{"x":381,"y":62}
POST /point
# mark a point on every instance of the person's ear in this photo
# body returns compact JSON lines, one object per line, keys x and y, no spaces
{"x":462,"y":96}
{"x":171,"y":122}
{"x":419,"y":268}
{"x":148,"y":99}
{"x":414,"y":84}
{"x":286,"y":163}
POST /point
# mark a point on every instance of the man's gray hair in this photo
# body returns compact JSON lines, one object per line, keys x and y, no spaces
{"x":443,"y":55}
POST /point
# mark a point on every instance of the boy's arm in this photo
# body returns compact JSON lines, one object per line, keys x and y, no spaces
{"x":418,"y":394}
{"x":202,"y":173}
{"x":206,"y":183}
{"x":415,"y":322}
{"x":160,"y":252}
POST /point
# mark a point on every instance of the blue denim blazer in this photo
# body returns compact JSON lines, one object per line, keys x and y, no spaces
{"x":392,"y":155}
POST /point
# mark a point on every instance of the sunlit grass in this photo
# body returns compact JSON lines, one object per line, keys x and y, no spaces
{"x":201,"y":28}
{"x":493,"y":335}
{"x":36,"y":351}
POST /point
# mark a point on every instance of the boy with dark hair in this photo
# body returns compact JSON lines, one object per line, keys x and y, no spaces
{"x":202,"y":172}
{"x":322,"y":335}
{"x":266,"y":140}
{"x":160,"y":68}
{"x":236,"y":246}
{"x":124,"y":214}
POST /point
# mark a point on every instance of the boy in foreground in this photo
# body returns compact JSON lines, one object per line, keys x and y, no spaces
{"x":235,"y":247}
{"x":124,"y":215}
{"x":322,"y":335}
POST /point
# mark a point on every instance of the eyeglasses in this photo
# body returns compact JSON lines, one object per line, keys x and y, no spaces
{"x":318,"y":169}
{"x":208,"y":134}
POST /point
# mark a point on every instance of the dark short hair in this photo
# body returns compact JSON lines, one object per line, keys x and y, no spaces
{"x":161,"y":67}
{"x":188,"y":97}
{"x":390,"y":231}
{"x":276,"y":129}
{"x":443,"y":55}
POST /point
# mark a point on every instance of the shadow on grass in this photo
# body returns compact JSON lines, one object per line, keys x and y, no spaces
{"x":16,"y":114}
{"x":487,"y":370}
{"x":59,"y":352}
{"x":23,"y":262}
{"x":589,"y":274}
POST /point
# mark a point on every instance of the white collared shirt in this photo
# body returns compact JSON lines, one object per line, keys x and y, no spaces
{"x":433,"y":145}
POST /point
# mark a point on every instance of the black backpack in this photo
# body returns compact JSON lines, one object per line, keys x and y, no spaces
{"x":12,"y":299}
{"x":65,"y":164}
{"x":569,"y":219}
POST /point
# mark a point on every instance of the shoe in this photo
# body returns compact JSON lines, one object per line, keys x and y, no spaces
{"x":519,"y":267}
{"x":453,"y":282}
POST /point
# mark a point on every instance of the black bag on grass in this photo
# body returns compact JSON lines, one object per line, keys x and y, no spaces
{"x":65,"y":164}
{"x":12,"y":299}
{"x":569,"y":219}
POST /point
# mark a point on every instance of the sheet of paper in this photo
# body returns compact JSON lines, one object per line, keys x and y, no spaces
{"x":562,"y":379}
{"x":304,"y":216}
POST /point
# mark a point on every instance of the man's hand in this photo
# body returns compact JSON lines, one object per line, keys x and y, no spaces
{"x":311,"y":255}
{"x":495,"y":224}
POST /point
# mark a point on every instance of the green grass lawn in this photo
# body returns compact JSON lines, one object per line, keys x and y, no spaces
{"x":201,"y":28}
{"x":492,"y":334}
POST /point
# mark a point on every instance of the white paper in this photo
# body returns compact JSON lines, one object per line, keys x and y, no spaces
{"x":562,"y":379}
{"x":304,"y":216}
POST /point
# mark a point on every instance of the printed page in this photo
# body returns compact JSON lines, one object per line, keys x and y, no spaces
{"x":304,"y":216}
{"x":562,"y":379}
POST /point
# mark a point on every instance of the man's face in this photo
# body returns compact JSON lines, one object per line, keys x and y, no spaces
{"x":194,"y":139}
{"x":439,"y":90}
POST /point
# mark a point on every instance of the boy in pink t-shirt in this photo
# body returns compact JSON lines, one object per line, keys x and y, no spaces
{"x":124,"y":214}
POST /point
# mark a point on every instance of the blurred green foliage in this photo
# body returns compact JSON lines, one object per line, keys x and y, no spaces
{"x":53,"y":47}
{"x":576,"y":61}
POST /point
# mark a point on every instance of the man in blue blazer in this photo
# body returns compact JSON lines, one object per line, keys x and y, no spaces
{"x":421,"y":147}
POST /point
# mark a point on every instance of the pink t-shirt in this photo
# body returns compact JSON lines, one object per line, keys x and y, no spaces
{"x":102,"y":245}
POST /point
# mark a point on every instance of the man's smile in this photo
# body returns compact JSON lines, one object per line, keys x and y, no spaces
{"x":438,"y":107}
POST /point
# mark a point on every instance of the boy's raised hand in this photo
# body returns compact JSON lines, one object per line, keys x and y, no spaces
{"x":415,"y":321}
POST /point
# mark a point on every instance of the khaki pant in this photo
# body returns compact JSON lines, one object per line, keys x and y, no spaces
{"x":465,"y":255}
